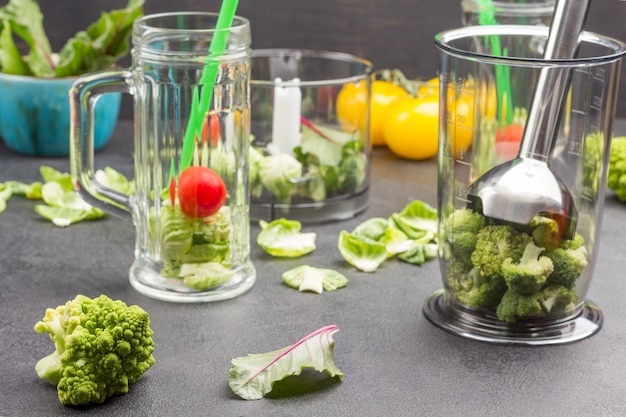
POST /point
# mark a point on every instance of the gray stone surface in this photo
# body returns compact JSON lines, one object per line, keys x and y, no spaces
{"x":395,"y":362}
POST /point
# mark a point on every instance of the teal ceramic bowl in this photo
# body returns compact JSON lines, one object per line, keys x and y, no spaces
{"x":35,"y":115}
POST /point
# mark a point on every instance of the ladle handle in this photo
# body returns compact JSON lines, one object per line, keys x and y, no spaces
{"x":568,"y":20}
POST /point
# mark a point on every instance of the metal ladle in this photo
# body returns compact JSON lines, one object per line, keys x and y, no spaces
{"x":518,"y":190}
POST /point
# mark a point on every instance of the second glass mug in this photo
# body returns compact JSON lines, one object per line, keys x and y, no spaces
{"x":506,"y":12}
{"x":191,"y":201}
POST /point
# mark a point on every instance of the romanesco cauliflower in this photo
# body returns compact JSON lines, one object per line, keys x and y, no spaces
{"x":102,"y":346}
{"x":616,"y":180}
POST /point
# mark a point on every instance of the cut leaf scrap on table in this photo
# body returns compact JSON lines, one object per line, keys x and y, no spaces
{"x":309,"y":278}
{"x":63,"y":206}
{"x":252,"y":376}
{"x":283,"y":238}
{"x":411,"y":234}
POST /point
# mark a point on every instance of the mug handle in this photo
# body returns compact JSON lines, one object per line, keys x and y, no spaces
{"x":83,"y":96}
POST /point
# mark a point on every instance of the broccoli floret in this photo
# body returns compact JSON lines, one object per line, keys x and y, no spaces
{"x":102,"y":346}
{"x":552,"y":300}
{"x":494,"y":244}
{"x":475,"y":290}
{"x":546,"y":232}
{"x":616,"y":179}
{"x":531,"y":273}
{"x":568,"y":265}
{"x":465,"y":220}
{"x":556,"y":299}
{"x":515,"y":305}
{"x":576,"y":242}
{"x":461,"y":229}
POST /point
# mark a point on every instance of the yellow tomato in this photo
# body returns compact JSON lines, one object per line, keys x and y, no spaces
{"x":412,"y":127}
{"x":430,"y":87}
{"x":462,"y":131}
{"x":351,"y":107}
{"x":489,"y":101}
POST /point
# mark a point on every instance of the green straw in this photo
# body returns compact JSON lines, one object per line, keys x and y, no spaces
{"x":487,"y":16}
{"x":208,"y":79}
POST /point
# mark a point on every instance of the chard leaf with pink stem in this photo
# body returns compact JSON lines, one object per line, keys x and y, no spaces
{"x":252,"y":376}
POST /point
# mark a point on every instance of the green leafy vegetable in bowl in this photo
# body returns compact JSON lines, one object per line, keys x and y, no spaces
{"x":96,"y":48}
{"x":101,"y":347}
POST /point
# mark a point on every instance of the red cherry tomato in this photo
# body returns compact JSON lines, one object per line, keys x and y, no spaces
{"x":211,"y":129}
{"x":511,"y":133}
{"x":201,"y":192}
{"x":508,"y":140}
{"x":172,"y":191}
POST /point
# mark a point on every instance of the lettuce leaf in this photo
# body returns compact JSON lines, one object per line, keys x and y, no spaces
{"x":276,"y":172}
{"x":363,"y":253}
{"x":309,"y":278}
{"x":252,"y":376}
{"x":63,"y":205}
{"x":114,"y":180}
{"x":416,"y":219}
{"x":283,"y":238}
{"x":203,"y":276}
{"x":410,"y":234}
{"x":5,"y":194}
{"x":61,"y":216}
{"x":418,"y":254}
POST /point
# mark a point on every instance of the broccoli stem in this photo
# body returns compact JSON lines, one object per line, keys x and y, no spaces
{"x":49,"y":368}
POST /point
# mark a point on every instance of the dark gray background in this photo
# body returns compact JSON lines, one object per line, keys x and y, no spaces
{"x":390,"y":33}
{"x":395,"y":362}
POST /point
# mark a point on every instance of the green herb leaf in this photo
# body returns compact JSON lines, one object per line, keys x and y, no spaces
{"x":252,"y":376}
{"x":309,"y":278}
{"x":283,"y":238}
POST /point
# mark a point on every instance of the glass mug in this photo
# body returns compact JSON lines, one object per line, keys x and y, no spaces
{"x":506,"y":12}
{"x":190,"y":205}
{"x":488,"y":96}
